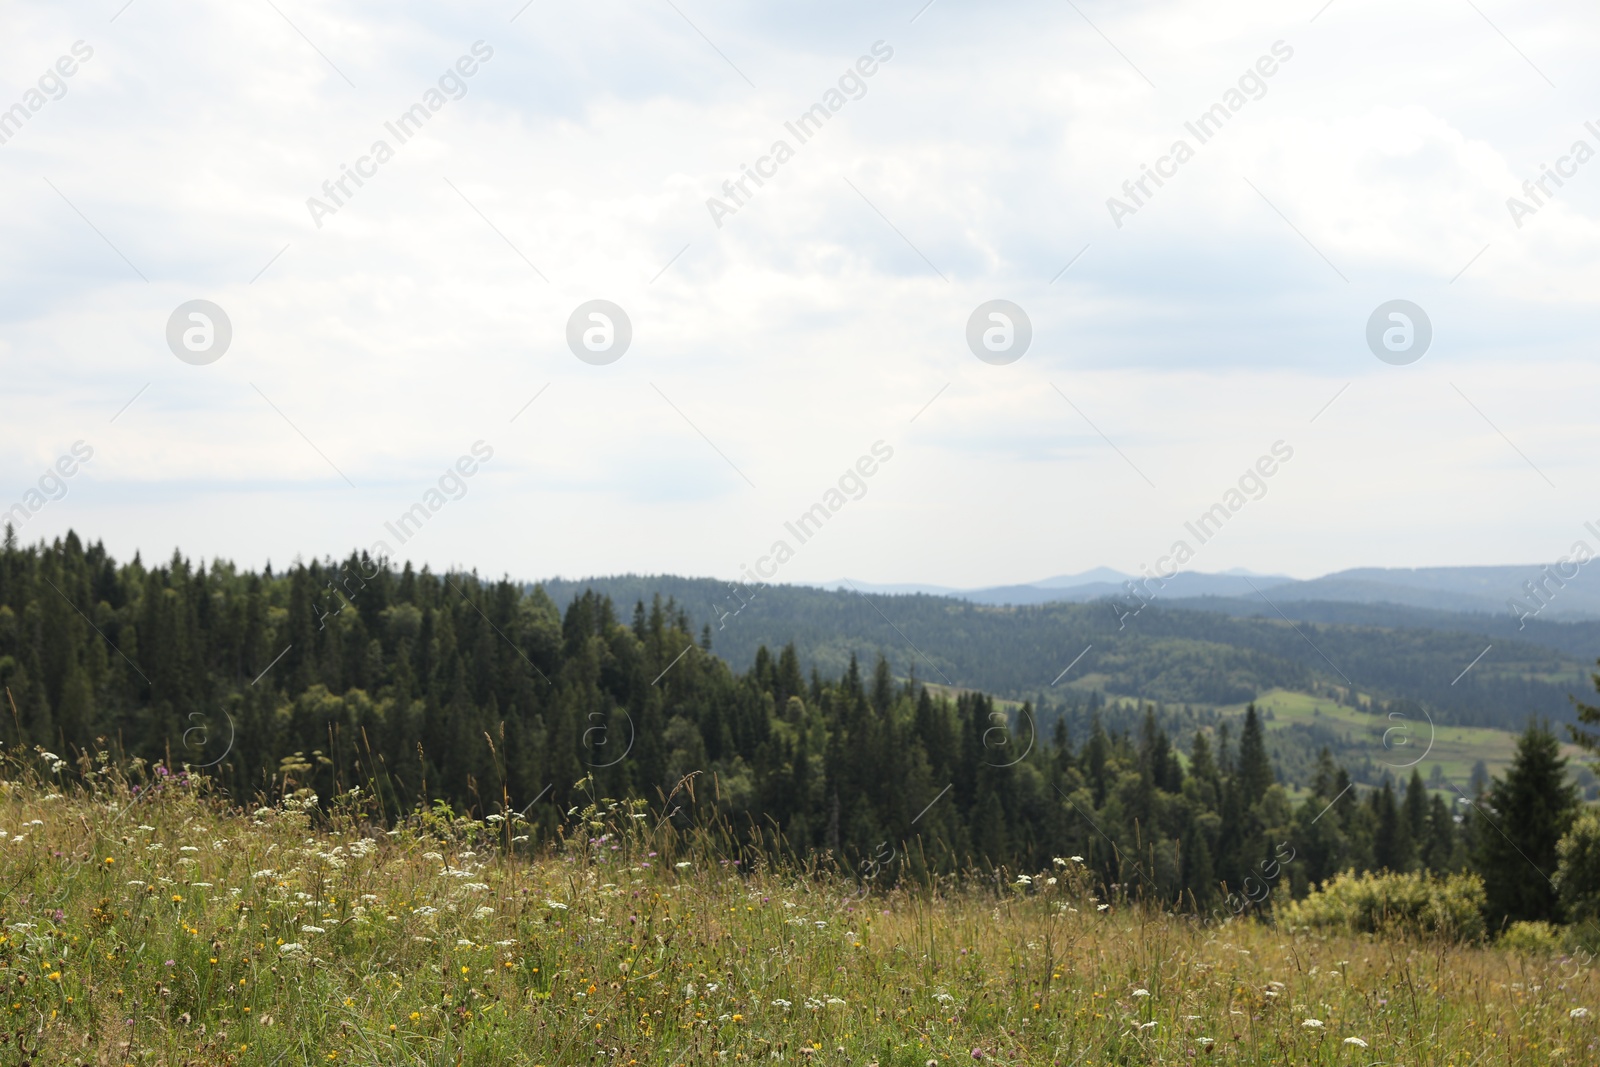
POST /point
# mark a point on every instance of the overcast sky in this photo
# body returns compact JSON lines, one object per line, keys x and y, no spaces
{"x":377,"y":339}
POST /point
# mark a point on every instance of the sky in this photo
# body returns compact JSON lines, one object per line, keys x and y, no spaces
{"x":785,"y":337}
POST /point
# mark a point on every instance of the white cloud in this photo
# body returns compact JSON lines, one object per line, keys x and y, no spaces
{"x":807,"y":327}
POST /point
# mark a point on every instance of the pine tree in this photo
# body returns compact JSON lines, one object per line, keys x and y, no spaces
{"x":1255,"y":769}
{"x":1391,"y":844}
{"x":1416,"y":810}
{"x":1440,"y":851}
{"x":1588,"y":715}
{"x":1096,"y":755}
{"x":1521,"y":820}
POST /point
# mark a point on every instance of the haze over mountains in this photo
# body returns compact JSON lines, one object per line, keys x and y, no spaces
{"x":1450,"y":589}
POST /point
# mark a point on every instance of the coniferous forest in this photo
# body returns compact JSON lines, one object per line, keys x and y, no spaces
{"x":430,"y":689}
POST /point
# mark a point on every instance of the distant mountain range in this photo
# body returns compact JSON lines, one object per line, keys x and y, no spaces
{"x":1470,"y":590}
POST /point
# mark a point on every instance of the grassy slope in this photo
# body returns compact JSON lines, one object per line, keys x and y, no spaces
{"x":167,"y":930}
{"x":1454,"y":749}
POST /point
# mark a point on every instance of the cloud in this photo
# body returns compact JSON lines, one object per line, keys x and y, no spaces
{"x":824,"y":315}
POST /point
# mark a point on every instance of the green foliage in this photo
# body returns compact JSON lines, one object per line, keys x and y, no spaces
{"x":1534,"y":938}
{"x":1584,"y":734}
{"x":487,"y":698}
{"x":1449,"y":906}
{"x":1521,"y":820}
{"x":1578,"y":872}
{"x":1168,"y":653}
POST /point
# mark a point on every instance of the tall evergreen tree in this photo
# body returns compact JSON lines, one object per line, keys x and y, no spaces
{"x":1391,"y":844}
{"x":1255,"y":769}
{"x":1521,"y":819}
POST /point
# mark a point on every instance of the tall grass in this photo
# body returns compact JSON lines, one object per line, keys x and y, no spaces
{"x":146,"y":922}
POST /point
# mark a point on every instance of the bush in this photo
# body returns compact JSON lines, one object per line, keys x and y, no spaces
{"x":1578,"y":872}
{"x":1416,"y":903}
{"x":1535,"y":938}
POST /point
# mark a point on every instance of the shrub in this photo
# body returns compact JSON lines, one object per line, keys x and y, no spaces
{"x":1534,"y":938}
{"x":1578,"y":872}
{"x":1416,"y":903}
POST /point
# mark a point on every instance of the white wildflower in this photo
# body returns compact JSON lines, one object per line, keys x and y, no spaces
{"x":482,"y":913}
{"x":293,"y":948}
{"x":1312,"y":1024}
{"x":1356,"y":1041}
{"x":683,"y":864}
{"x":312,"y":930}
{"x":1578,"y":1013}
{"x":556,"y":904}
{"x":1141,"y":992}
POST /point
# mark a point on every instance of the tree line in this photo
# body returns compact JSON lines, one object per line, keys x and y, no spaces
{"x":424,"y":688}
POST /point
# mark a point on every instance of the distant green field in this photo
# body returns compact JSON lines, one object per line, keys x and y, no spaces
{"x":1453,"y":749}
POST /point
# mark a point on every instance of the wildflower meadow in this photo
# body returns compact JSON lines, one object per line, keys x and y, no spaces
{"x":148,"y":922}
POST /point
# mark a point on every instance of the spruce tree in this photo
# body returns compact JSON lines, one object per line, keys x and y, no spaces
{"x":1391,"y":844}
{"x":1416,"y":816}
{"x":1521,"y":819}
{"x":1255,"y":769}
{"x":1588,"y":715}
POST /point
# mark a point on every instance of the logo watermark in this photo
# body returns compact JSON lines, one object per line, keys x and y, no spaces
{"x":52,"y":485}
{"x":999,"y":332}
{"x":51,"y":85}
{"x":406,"y":125}
{"x":199,"y":332}
{"x":1207,"y":125}
{"x":1399,"y":332}
{"x":1252,"y":485}
{"x":852,"y":82}
{"x":599,"y":332}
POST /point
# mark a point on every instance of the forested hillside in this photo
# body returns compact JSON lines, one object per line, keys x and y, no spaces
{"x":1161,"y":653}
{"x":420,"y":687}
